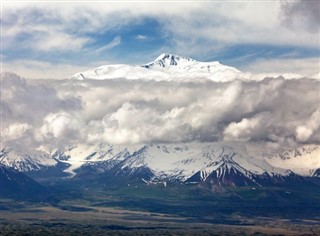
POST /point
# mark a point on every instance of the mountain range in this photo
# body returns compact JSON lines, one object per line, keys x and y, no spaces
{"x":189,"y":163}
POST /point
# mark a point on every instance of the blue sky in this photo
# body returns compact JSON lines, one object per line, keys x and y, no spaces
{"x":55,"y":40}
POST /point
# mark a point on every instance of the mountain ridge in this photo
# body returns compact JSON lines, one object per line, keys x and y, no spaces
{"x":215,"y":163}
{"x":16,"y":184}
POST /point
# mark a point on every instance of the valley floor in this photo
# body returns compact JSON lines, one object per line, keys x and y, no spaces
{"x":22,"y":218}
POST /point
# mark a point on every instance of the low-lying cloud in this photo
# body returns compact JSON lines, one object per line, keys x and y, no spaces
{"x":67,"y":112}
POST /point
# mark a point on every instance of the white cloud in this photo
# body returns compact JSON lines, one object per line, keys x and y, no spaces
{"x":308,"y":67}
{"x":136,"y":123}
{"x":220,"y":25}
{"x":247,"y":128}
{"x":141,"y":37}
{"x":115,"y":42}
{"x":16,"y":130}
{"x":25,"y":101}
{"x":196,"y":28}
{"x":64,"y":112}
{"x":121,"y":111}
{"x":61,"y":126}
{"x":36,"y":69}
{"x":58,"y":41}
{"x":39,"y":30}
{"x":305,"y":131}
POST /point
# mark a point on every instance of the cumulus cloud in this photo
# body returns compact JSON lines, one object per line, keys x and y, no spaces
{"x":121,"y":111}
{"x":24,"y":106}
{"x":248,"y":128}
{"x":58,"y":128}
{"x":311,"y":126}
{"x":16,"y":130}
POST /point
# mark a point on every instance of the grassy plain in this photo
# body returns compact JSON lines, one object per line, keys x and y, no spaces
{"x":40,"y":219}
{"x":155,"y":210}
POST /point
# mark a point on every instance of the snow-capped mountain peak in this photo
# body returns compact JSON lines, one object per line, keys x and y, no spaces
{"x":178,"y":64}
{"x":167,"y":60}
{"x":170,"y":56}
{"x":25,"y":161}
{"x":166,"y":67}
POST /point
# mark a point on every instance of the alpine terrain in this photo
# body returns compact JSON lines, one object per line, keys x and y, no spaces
{"x":191,"y":163}
{"x":167,"y":147}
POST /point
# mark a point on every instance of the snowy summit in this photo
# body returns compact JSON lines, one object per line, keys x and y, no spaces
{"x":167,"y":67}
{"x":174,"y":63}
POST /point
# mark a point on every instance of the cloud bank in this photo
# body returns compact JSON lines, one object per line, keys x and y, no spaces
{"x":67,"y":112}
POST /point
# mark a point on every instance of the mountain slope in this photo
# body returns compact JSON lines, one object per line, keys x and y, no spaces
{"x":26,"y":162}
{"x":302,"y":160}
{"x":14,"y":183}
{"x":177,"y":64}
{"x":316,"y":173}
